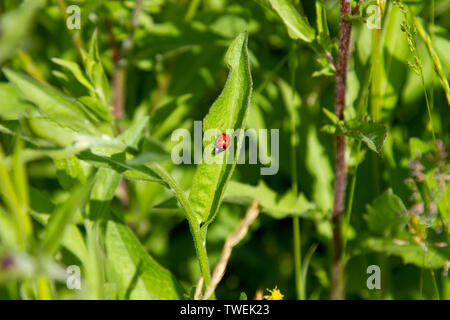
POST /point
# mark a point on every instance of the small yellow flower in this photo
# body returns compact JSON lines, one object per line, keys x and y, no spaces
{"x":275,"y":294}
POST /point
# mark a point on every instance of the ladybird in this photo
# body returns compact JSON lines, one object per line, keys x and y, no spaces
{"x":222,"y":142}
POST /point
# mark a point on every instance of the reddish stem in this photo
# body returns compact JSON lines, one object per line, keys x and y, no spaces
{"x":341,"y":167}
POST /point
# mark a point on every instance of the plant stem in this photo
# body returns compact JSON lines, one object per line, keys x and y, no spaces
{"x":44,"y":289}
{"x":431,"y":28}
{"x":346,"y":225}
{"x":297,"y":258}
{"x":198,"y":234}
{"x":376,"y":93}
{"x":421,"y":277}
{"x":295,"y":220}
{"x":360,"y":109}
{"x":428,"y":105}
{"x":376,"y":76}
{"x":433,"y":276}
{"x":192,"y":10}
{"x":119,"y":74}
{"x":341,"y":167}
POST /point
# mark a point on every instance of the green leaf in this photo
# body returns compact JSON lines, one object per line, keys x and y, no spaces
{"x":69,"y":172}
{"x":75,"y":69}
{"x":15,"y":25}
{"x":270,"y":201}
{"x":61,"y":218}
{"x":229,"y":112}
{"x":94,"y":105}
{"x":409,"y":252}
{"x":72,"y":239}
{"x":14,"y":191}
{"x":243,"y":296}
{"x":386,"y":215}
{"x":137,"y":274}
{"x":113,"y":166}
{"x":8,"y":233}
{"x":305,"y":267}
{"x":95,"y":72}
{"x":64,"y":110}
{"x":135,"y":132}
{"x":19,"y":173}
{"x":51,"y":134}
{"x":106,"y":183}
{"x":418,"y":147}
{"x":95,"y":266}
{"x":74,"y":242}
{"x":119,"y":164}
{"x":318,"y":165}
{"x":333,"y":118}
{"x":369,"y":132}
{"x":148,"y":157}
{"x":321,"y":23}
{"x":11,"y":106}
{"x":298,"y":27}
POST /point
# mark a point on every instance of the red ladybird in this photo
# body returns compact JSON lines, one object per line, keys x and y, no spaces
{"x":222,"y":142}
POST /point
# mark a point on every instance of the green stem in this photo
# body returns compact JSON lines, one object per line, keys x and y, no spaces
{"x":295,"y":220}
{"x":376,"y":95}
{"x":428,"y":104}
{"x":446,"y":287}
{"x":376,"y":76}
{"x":44,"y":288}
{"x":192,"y":10}
{"x":347,"y":219}
{"x":431,"y":38}
{"x":433,"y":277}
{"x":421,"y":277}
{"x":297,"y":258}
{"x":271,"y":74}
{"x":198,"y":234}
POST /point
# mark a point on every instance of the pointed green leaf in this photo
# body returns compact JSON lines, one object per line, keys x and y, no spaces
{"x":270,"y":202}
{"x":371,"y":133}
{"x":297,"y":26}
{"x":319,"y":167}
{"x":229,"y":112}
{"x":61,"y":218}
{"x":113,"y":166}
{"x":95,"y":72}
{"x":386,"y":214}
{"x":69,"y":172}
{"x":75,"y":69}
{"x":94,"y":105}
{"x":8,"y":234}
{"x":12,"y":106}
{"x":409,"y":252}
{"x":135,"y":132}
{"x":64,"y":110}
{"x":137,"y":274}
{"x":119,"y":165}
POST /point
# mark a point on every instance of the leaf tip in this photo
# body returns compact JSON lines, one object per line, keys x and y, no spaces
{"x":237,"y":46}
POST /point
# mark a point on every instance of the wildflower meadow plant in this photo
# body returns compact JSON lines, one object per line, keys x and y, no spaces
{"x":204,"y":150}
